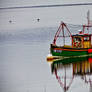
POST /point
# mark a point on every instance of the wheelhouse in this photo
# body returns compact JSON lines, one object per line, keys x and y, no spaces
{"x":81,"y":41}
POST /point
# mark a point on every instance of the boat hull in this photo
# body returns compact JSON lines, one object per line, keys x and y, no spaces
{"x":67,"y":52}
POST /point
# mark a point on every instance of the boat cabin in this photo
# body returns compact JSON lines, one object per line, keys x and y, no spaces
{"x":81,"y":41}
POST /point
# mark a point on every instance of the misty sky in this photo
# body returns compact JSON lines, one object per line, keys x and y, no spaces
{"x":4,"y":3}
{"x":27,"y":18}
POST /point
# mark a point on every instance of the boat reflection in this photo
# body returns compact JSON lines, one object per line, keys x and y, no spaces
{"x":67,"y":69}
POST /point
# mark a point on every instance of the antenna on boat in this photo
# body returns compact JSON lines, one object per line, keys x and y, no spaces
{"x":89,"y":22}
{"x":88,"y":19}
{"x":88,"y":16}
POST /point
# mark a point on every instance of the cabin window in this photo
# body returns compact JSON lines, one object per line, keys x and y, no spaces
{"x":86,"y":38}
{"x":77,"y":39}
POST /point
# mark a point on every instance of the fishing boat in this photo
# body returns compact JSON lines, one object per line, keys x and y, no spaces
{"x":81,"y":43}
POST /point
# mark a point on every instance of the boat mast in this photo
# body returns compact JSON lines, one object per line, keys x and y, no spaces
{"x":63,"y":35}
{"x":61,"y":30}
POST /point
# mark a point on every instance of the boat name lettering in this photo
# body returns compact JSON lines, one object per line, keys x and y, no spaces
{"x":59,"y":51}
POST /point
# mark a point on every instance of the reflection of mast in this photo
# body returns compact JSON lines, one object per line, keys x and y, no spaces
{"x":91,"y":86}
{"x":44,"y":88}
{"x":65,"y":81}
{"x":63,"y":85}
{"x":81,"y":66}
{"x":88,"y":81}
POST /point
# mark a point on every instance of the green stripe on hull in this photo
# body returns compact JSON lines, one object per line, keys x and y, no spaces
{"x":68,"y":53}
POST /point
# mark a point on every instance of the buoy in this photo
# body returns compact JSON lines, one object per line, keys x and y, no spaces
{"x":50,"y":58}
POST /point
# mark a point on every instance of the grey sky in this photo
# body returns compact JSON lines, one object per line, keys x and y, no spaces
{"x":27,"y":18}
{"x":5,"y":3}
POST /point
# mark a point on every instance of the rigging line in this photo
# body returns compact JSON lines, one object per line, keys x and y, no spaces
{"x":45,"y":6}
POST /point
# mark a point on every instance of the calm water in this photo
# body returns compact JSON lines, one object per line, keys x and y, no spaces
{"x":23,"y":65}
